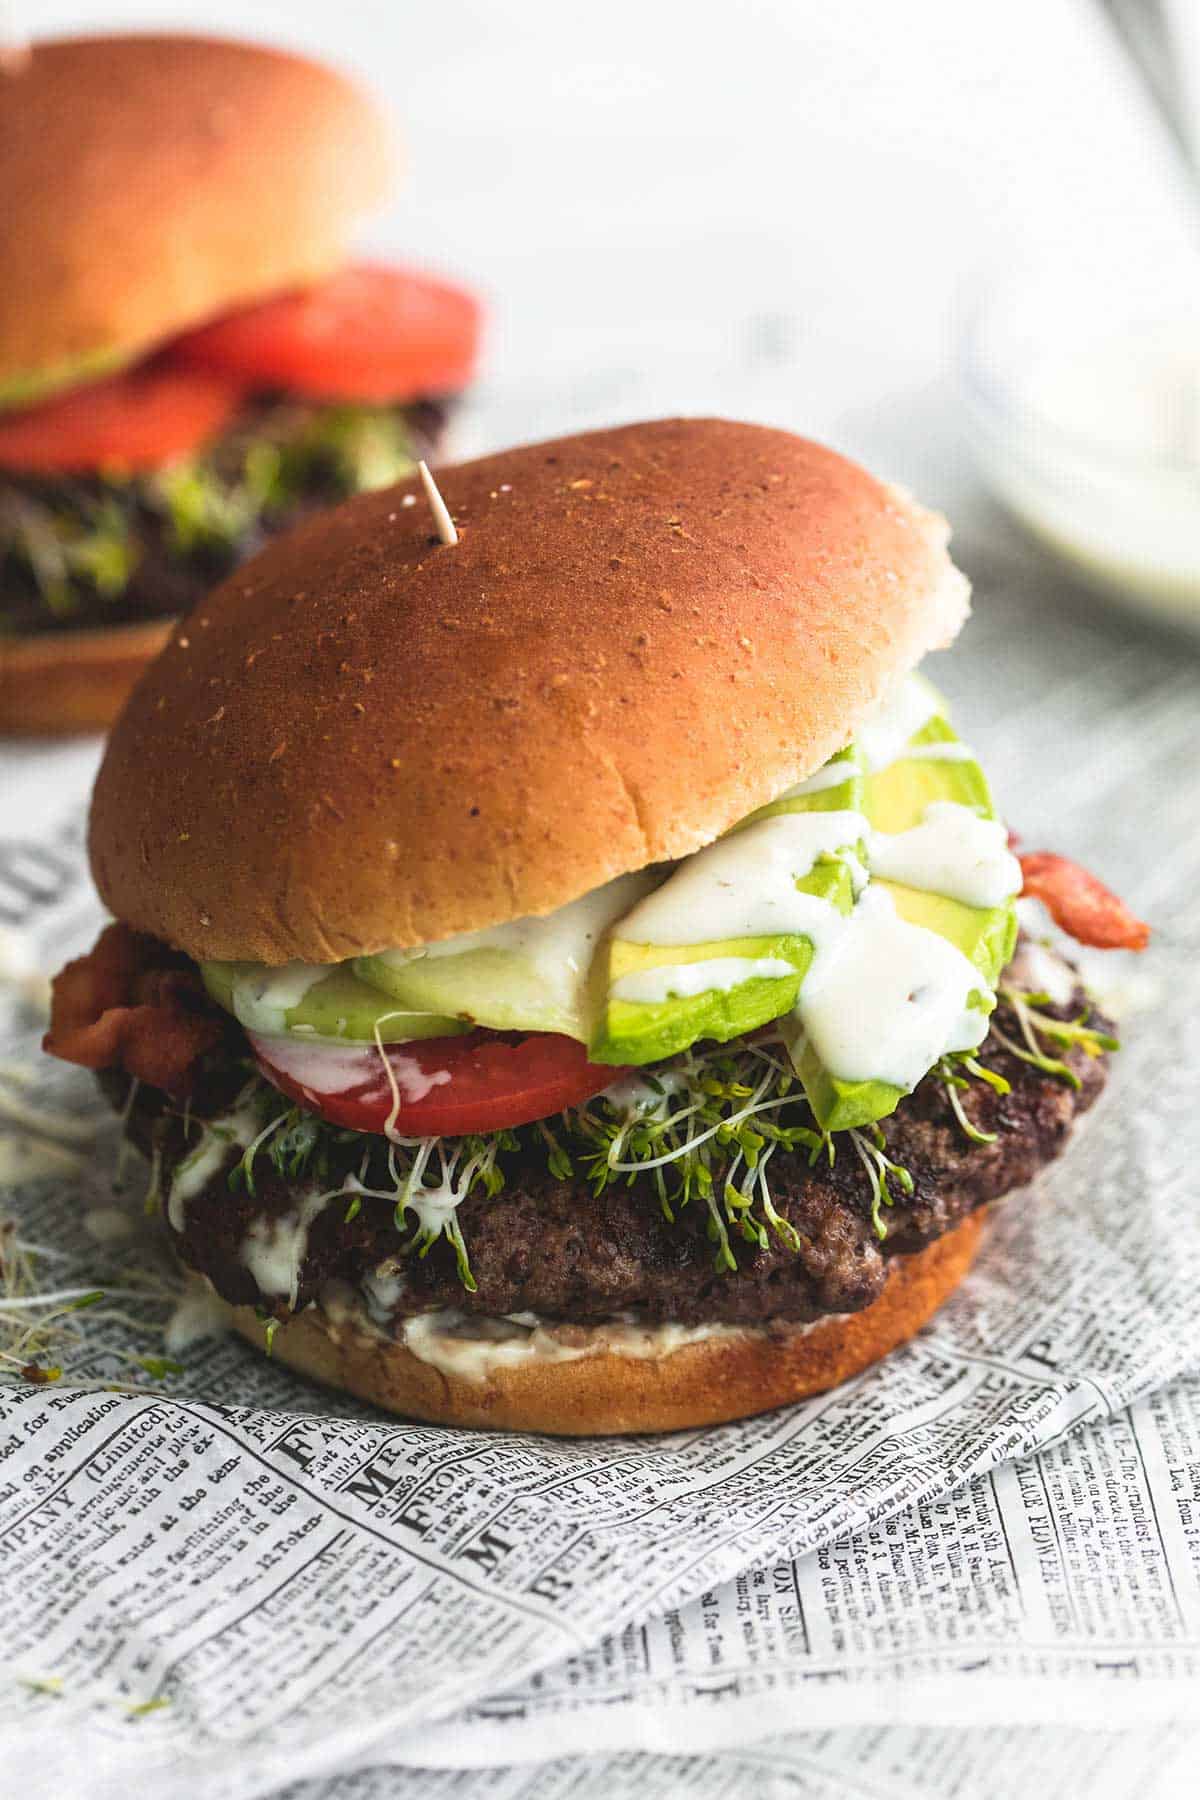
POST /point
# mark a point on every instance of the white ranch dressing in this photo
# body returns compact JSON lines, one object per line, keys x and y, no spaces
{"x":888,"y":998}
{"x":217,"y":1138}
{"x":882,"y":737}
{"x":715,"y":974}
{"x":953,"y":851}
{"x":557,"y":949}
{"x":946,"y":750}
{"x":274,"y":1249}
{"x":1038,"y":970}
{"x":878,"y":991}
{"x":831,"y":775}
{"x":382,"y":1290}
{"x":745,"y":885}
{"x":199,"y":1314}
{"x":262,"y":998}
{"x":475,"y":1345}
{"x":473,"y":1349}
{"x":335,"y":1068}
{"x":638,"y":1097}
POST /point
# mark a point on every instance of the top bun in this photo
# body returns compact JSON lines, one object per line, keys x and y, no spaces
{"x":367,"y":738}
{"x":148,"y":183}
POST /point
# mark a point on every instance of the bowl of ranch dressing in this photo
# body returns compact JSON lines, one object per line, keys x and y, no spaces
{"x":1082,"y":390}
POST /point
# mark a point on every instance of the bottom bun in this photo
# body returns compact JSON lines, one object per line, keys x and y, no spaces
{"x":53,"y":683}
{"x":732,"y":1375}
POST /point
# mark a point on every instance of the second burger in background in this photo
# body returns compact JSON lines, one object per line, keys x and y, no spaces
{"x":189,"y":361}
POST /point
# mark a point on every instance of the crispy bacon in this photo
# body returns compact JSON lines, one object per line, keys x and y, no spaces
{"x":132,"y":1004}
{"x":1079,"y":904}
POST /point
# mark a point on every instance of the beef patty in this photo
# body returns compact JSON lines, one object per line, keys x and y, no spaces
{"x":554,"y":1248}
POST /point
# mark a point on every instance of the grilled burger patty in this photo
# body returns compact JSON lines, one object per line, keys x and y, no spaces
{"x":553,"y":1248}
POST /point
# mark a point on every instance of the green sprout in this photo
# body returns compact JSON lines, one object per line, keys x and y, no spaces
{"x":881,"y":1171}
{"x":1034,"y":1025}
{"x":41,"y":1338}
{"x":956,"y":1072}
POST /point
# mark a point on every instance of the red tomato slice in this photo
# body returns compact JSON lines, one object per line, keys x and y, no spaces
{"x":367,"y":333}
{"x":135,"y":420}
{"x":446,"y":1086}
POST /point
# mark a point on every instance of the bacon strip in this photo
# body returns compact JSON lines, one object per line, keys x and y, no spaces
{"x":132,"y":1004}
{"x":1079,"y":904}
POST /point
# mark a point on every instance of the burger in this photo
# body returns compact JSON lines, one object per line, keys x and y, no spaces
{"x":188,"y":360}
{"x":566,"y":973}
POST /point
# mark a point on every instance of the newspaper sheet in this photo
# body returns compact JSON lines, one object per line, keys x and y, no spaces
{"x":1059,"y":1589}
{"x":869,"y":1763}
{"x":223,"y":1581}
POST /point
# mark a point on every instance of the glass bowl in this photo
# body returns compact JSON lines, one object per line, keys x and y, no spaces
{"x":1082,"y":393}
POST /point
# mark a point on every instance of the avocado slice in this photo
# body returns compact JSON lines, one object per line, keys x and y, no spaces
{"x":642,"y":1030}
{"x":489,"y":986}
{"x":895,"y":799}
{"x":336,"y":1005}
{"x":532,"y":974}
{"x":836,"y":787}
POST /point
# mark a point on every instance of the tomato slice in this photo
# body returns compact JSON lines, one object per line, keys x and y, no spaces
{"x":366,"y":333}
{"x":135,"y":420}
{"x":484,"y":1081}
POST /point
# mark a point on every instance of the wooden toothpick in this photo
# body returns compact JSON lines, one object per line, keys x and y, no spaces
{"x":437,"y":506}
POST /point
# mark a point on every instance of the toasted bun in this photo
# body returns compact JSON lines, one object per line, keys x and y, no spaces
{"x":706,"y":1383}
{"x":147,"y":183}
{"x":368,"y":738}
{"x":56,"y":682}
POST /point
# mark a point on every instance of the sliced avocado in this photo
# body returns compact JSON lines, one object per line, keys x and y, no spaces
{"x":640,"y":1031}
{"x":895,"y":799}
{"x":532,"y":974}
{"x":337,"y":1005}
{"x":840,"y":1105}
{"x":643,"y":1031}
{"x":986,"y":935}
{"x":845,"y":795}
{"x":492,"y":987}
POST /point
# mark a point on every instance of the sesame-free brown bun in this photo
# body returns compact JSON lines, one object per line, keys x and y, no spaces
{"x":367,"y":738}
{"x":731,"y":1375}
{"x":53,"y":683}
{"x":148,"y":183}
